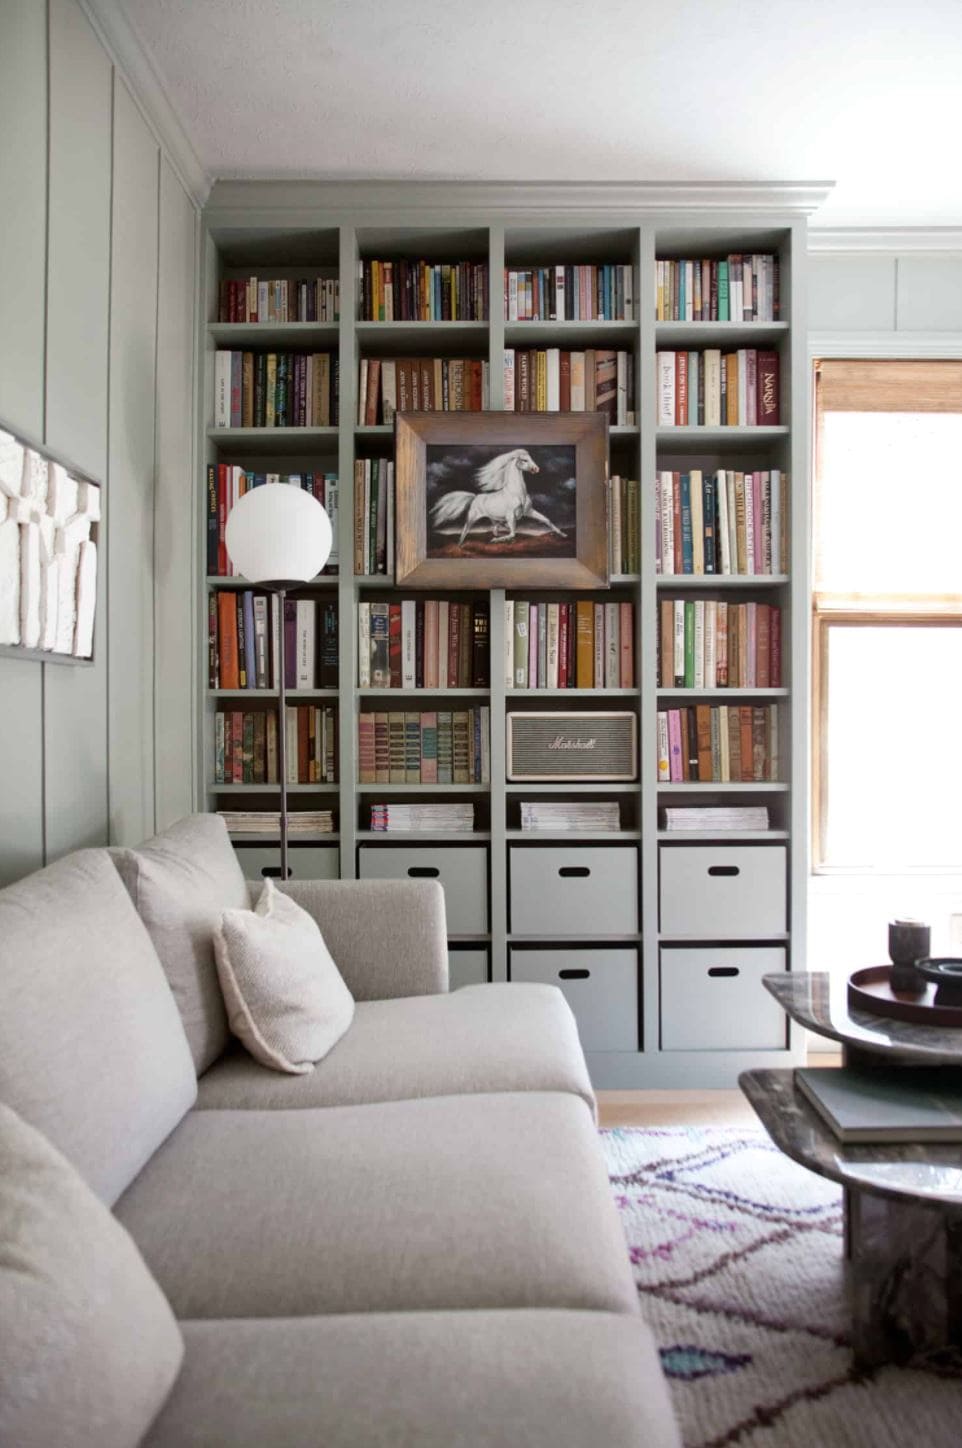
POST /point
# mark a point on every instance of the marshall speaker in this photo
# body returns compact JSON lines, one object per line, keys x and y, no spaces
{"x":601,"y":747}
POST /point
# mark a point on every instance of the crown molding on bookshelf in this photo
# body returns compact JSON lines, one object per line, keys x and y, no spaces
{"x":126,"y":50}
{"x":884,"y":239}
{"x":926,"y":346}
{"x":301,"y":200}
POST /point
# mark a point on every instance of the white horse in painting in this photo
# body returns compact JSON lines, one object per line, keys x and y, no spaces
{"x":502,"y":499}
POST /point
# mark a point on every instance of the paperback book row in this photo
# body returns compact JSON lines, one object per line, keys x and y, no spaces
{"x":737,"y":288}
{"x":454,"y":817}
{"x":624,"y":531}
{"x":419,"y":384}
{"x":550,"y":380}
{"x":571,"y":815}
{"x":711,"y":644}
{"x":438,"y":747}
{"x":266,"y":823}
{"x":245,"y":746}
{"x":602,"y":293}
{"x":721,"y":522}
{"x":227,"y":483}
{"x":423,"y":291}
{"x":423,"y":643}
{"x":582,"y":645}
{"x":718,"y":744}
{"x":279,"y":299}
{"x":373,"y":517}
{"x":243,"y":636}
{"x":275,"y":389}
{"x":714,"y":817}
{"x":718,"y":389}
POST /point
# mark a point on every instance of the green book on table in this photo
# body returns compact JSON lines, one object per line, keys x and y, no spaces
{"x":906,"y":1104}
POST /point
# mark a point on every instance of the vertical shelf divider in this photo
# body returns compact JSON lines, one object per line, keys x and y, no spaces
{"x":346,"y":584}
{"x":647,"y":653}
{"x":498,"y":798}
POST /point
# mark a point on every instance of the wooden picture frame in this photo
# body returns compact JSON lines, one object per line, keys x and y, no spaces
{"x":469,"y":513}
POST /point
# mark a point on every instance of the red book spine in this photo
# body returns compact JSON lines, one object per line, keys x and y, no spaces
{"x":454,"y":644}
{"x":768,"y":403}
{"x":681,"y":389}
{"x":394,"y":644}
{"x":775,"y":647}
{"x":563,"y":631}
{"x":565,"y":382}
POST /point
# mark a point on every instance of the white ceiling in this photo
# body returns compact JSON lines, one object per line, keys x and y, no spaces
{"x":865,"y":92}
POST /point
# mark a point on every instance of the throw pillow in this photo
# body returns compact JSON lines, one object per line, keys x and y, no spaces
{"x":286,"y":999}
{"x":89,"y":1348}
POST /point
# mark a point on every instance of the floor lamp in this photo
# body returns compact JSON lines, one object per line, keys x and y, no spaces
{"x":279,"y":537}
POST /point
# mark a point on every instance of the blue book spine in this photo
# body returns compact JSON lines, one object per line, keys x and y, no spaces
{"x":708,"y":513}
{"x":687,"y":557}
{"x":250,"y":659}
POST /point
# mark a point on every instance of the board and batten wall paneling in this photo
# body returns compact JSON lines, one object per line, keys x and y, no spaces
{"x":78,"y":258}
{"x":23,"y":234}
{"x":130,"y":472}
{"x":175,"y":506}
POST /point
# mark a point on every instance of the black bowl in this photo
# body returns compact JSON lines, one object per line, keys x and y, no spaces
{"x":946,"y":972}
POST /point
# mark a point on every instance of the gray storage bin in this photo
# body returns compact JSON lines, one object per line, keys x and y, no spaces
{"x":574,"y":890}
{"x":466,"y":966}
{"x":600,"y":985}
{"x":712,"y":998}
{"x":304,"y":862}
{"x":462,"y":871}
{"x":723,"y":890}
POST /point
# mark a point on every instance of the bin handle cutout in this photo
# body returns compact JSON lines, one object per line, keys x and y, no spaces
{"x":724,"y":870}
{"x":423,"y":872}
{"x":726,"y":970}
{"x":574,"y":872}
{"x":574,"y":974}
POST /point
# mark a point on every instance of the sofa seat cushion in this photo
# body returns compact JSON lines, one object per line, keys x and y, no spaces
{"x":92,"y":1050}
{"x":452,"y":1202}
{"x":525,"y":1379}
{"x":482,"y":1038}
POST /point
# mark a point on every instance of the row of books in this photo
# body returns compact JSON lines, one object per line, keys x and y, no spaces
{"x":722,"y":522}
{"x":719,"y":744}
{"x":276,"y":389}
{"x":436,"y":747}
{"x":244,"y":645}
{"x":624,"y":531}
{"x":569,"y":293}
{"x":280,"y":299}
{"x":725,"y":289}
{"x":552,"y":380}
{"x":573,"y":815}
{"x":582,"y":645}
{"x":714,"y":817}
{"x":706,"y":643}
{"x":718,"y":389}
{"x":373,"y":516}
{"x":423,"y":291}
{"x":454,"y":817}
{"x":423,"y":643}
{"x":227,"y":483}
{"x":266,"y":823}
{"x":245,"y":745}
{"x":419,"y":384}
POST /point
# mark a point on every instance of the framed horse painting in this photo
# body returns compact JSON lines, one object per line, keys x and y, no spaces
{"x":501,"y":499}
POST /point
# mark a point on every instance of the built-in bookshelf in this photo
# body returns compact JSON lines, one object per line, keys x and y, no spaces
{"x":420,"y":297}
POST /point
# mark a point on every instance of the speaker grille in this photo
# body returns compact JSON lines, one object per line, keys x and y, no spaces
{"x":572,"y":746}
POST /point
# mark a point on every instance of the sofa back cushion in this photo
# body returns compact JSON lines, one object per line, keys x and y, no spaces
{"x":181,"y":882}
{"x":89,"y":1349}
{"x":92,"y":1050}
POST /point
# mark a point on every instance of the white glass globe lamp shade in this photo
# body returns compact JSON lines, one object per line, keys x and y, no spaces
{"x":278,"y":534}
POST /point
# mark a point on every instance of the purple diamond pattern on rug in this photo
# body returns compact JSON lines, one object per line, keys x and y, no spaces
{"x":737,"y":1254}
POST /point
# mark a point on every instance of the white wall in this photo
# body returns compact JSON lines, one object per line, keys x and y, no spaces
{"x":97,"y":271}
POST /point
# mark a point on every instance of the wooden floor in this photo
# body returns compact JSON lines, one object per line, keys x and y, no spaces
{"x":674,"y":1108}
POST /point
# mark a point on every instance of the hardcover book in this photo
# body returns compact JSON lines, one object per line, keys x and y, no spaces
{"x":912,"y":1104}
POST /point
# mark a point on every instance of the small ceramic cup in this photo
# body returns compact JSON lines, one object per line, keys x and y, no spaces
{"x":909,"y":941}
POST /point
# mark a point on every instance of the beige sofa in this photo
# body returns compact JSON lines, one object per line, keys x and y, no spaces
{"x":412,"y":1245}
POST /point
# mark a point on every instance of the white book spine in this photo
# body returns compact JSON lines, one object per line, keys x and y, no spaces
{"x":749,"y":523}
{"x":667,"y":523}
{"x":712,"y":387}
{"x":665,"y":364}
{"x":364,"y":645}
{"x":724,"y":563}
{"x":222,"y":389}
{"x":678,"y":639}
{"x":732,"y":521}
{"x":615,"y":561}
{"x":388,"y":388}
{"x":612,"y":646}
{"x":362,"y":392}
{"x":598,"y":671}
{"x":508,"y":642}
{"x":305,"y":643}
{"x":664,"y":773}
{"x":512,"y":296}
{"x":331,"y":508}
{"x":553,"y":378}
{"x":509,"y":379}
{"x":408,"y":628}
{"x":776,"y":516}
{"x":443,"y":624}
{"x":554,"y":618}
{"x":698,"y":680}
{"x":711,"y":644}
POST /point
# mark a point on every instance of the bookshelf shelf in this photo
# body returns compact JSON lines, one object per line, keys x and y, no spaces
{"x":327,"y":229}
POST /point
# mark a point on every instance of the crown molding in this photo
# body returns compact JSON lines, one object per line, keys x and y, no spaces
{"x":297,"y":199}
{"x":128,"y":54}
{"x":927,"y":346}
{"x":893,"y":239}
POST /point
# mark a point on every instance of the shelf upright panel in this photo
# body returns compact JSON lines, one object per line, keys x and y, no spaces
{"x":498,"y":865}
{"x":347,"y":591}
{"x":796,"y":649}
{"x":647,"y":650}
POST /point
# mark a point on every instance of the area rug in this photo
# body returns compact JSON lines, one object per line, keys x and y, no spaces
{"x":737,"y":1253}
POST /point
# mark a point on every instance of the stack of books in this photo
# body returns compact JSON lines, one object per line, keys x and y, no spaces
{"x":275,"y":389}
{"x":227,"y":483}
{"x":245,"y":746}
{"x":583,"y":645}
{"x":718,"y":389}
{"x":373,"y":517}
{"x":570,"y":815}
{"x":624,"y":534}
{"x":722,"y":522}
{"x":733,"y":744}
{"x":602,"y":293}
{"x":550,"y":380}
{"x":715,"y":817}
{"x":423,"y":291}
{"x":276,"y":299}
{"x":266,"y":823}
{"x":244,"y":645}
{"x":430,"y":818}
{"x":727,"y":289}
{"x":424,"y":643}
{"x":419,"y":384}
{"x":707,"y":643}
{"x":434,"y":747}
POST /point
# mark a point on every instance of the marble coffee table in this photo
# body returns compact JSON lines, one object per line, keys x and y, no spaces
{"x":903,"y":1203}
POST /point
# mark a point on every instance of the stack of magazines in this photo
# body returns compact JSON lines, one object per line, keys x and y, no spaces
{"x":569,"y":815}
{"x":715,"y":817}
{"x":430,"y":818}
{"x":266,"y":823}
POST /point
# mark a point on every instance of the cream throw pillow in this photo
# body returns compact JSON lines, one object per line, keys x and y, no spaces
{"x":286,"y":999}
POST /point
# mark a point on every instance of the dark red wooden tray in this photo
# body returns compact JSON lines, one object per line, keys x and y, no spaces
{"x":869,"y":990}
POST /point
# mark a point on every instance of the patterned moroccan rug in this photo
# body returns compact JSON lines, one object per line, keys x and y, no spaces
{"x":737,"y":1254}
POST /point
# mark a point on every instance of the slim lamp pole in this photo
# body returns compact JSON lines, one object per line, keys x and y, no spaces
{"x":282,"y":728}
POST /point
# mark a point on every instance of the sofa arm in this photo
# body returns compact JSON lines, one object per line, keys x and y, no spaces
{"x":388,"y":937}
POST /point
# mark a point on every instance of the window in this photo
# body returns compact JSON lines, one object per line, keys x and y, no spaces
{"x":887,"y":652}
